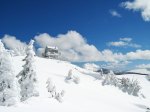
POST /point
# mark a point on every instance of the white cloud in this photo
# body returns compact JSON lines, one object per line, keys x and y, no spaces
{"x":115,"y":13}
{"x":91,"y":66}
{"x":126,"y":39}
{"x":142,"y":6}
{"x":116,"y":65}
{"x":143,"y":66}
{"x":134,"y":45}
{"x":14,"y":44}
{"x":117,"y":44}
{"x":73,"y":46}
{"x":109,"y":56}
{"x":138,"y":55}
{"x":124,"y":42}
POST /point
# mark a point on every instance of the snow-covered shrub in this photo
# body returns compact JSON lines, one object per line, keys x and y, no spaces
{"x":2,"y":48}
{"x":59,"y":96}
{"x":70,"y":75}
{"x":27,"y":77}
{"x":148,"y":77}
{"x":9,"y":87}
{"x":101,"y":72}
{"x":72,"y":78}
{"x":52,"y":90}
{"x":62,"y":93}
{"x":132,"y":87}
{"x":124,"y":85}
{"x":110,"y":79}
{"x":76,"y":80}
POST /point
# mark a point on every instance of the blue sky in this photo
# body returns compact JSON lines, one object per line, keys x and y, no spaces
{"x":91,"y":18}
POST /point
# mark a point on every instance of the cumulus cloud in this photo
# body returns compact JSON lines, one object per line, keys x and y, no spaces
{"x":72,"y":45}
{"x":14,"y":44}
{"x":142,"y":6}
{"x":109,"y":56}
{"x":91,"y":66}
{"x":116,"y":65}
{"x":115,"y":13}
{"x":143,"y":66}
{"x":124,"y":42}
{"x":138,"y":55}
{"x":126,"y":39}
{"x":117,"y":44}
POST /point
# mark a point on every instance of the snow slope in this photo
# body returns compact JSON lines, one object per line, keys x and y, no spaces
{"x":142,"y":71}
{"x":87,"y":96}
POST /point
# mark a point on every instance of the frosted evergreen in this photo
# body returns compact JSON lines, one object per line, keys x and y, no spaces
{"x":9,"y":87}
{"x":28,"y":77}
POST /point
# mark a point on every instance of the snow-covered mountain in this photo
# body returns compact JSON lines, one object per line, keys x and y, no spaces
{"x":142,"y":71}
{"x":87,"y":96}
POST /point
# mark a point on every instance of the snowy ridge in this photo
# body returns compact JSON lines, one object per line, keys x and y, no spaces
{"x":87,"y":96}
{"x":142,"y":71}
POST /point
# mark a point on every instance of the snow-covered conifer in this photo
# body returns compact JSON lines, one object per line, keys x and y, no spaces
{"x":50,"y":87}
{"x":9,"y":87}
{"x":62,"y":93}
{"x":110,"y":79}
{"x":72,"y":78}
{"x":28,"y":77}
{"x":134,"y":88}
{"x":58,"y":97}
{"x":52,"y":90}
{"x":148,"y":77}
{"x":76,"y":80}
{"x":2,"y":48}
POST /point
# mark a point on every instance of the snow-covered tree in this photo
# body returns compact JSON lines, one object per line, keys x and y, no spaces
{"x":148,"y":77}
{"x":58,"y":97}
{"x":9,"y":87}
{"x":110,"y":79}
{"x":50,"y":87}
{"x":52,"y":90}
{"x":131,"y":87}
{"x":124,"y":84}
{"x":134,"y":88}
{"x":72,"y":78}
{"x":2,"y":48}
{"x":28,"y":77}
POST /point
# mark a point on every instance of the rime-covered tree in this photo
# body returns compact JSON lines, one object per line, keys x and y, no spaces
{"x":50,"y":87}
{"x":9,"y":87}
{"x":28,"y":77}
{"x":72,"y":78}
{"x":2,"y":48}
{"x":52,"y":90}
{"x":148,"y":77}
